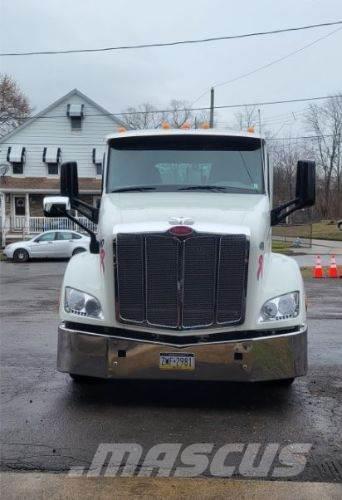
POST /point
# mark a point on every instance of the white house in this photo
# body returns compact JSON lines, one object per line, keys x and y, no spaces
{"x":71,"y":129}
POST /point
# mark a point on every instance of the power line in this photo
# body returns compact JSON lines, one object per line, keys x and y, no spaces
{"x":303,"y":137}
{"x":169,"y":44}
{"x":290,"y":115}
{"x":264,"y":66}
{"x":60,"y":144}
{"x":203,"y":108}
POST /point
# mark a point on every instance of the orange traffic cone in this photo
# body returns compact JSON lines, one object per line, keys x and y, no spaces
{"x":333,"y":268}
{"x":318,"y":271}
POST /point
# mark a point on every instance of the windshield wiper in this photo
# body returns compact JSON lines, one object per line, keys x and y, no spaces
{"x":133,"y":188}
{"x":203,"y":188}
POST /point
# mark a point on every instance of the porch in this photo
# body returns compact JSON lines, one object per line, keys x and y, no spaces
{"x":15,"y":227}
{"x":21,"y":215}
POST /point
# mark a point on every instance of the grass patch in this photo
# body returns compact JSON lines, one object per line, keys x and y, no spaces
{"x":281,"y":247}
{"x":306,"y":272}
{"x":325,"y":231}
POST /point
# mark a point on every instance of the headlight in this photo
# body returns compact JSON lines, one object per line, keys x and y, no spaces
{"x":282,"y":307}
{"x":82,"y":303}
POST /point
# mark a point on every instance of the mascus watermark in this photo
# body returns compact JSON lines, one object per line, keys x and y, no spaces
{"x":255,"y":460}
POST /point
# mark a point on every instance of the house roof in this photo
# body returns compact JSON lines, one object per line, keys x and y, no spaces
{"x":56,"y":103}
{"x":45,"y":184}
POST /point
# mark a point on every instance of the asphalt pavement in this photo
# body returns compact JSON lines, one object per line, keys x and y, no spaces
{"x":49,"y":424}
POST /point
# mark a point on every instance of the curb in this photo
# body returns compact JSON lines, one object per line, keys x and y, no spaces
{"x":37,"y":486}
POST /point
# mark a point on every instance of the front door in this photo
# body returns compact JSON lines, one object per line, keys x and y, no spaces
{"x":43,"y":245}
{"x":19,"y":205}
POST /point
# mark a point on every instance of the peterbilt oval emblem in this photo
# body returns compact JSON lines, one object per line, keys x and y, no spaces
{"x":180,"y":221}
{"x":181,"y":230}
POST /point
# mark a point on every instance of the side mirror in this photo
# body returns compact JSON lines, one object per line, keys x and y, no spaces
{"x":55,"y":206}
{"x":306,"y":183}
{"x":69,"y":179}
{"x":305,"y":193}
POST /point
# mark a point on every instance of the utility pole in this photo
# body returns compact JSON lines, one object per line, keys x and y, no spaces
{"x":211,"y":119}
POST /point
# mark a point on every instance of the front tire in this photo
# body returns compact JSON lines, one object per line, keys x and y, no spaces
{"x":21,"y":255}
{"x":78,"y":250}
{"x":81,"y":379}
{"x":284,"y":382}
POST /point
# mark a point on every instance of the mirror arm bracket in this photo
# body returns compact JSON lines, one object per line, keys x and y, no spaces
{"x":92,"y":213}
{"x":94,"y":244}
{"x":280,"y":213}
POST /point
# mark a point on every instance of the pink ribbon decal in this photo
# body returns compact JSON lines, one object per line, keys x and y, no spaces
{"x":260,"y":266}
{"x":102,"y":256}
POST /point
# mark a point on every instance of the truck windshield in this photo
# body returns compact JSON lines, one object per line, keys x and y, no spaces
{"x":185,"y":163}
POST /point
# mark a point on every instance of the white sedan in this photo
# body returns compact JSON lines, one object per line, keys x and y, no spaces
{"x":50,"y":244}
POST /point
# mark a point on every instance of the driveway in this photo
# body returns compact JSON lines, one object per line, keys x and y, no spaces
{"x":51,"y":424}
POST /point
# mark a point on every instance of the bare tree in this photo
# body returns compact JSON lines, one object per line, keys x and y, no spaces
{"x":285,"y":155}
{"x":14,"y":105}
{"x":325,"y":123}
{"x":177,"y":115}
{"x":245,"y":118}
{"x":144,"y":116}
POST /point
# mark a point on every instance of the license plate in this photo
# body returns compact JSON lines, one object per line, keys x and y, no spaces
{"x":176,"y":361}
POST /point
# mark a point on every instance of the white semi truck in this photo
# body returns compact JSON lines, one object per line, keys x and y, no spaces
{"x":180,"y":281}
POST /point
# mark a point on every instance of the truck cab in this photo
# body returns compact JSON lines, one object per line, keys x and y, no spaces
{"x":181,"y":281}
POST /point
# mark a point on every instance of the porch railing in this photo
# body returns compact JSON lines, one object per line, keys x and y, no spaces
{"x":39,"y":224}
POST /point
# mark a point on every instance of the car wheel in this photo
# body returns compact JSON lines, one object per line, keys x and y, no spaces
{"x":339,"y":225}
{"x":78,"y":250}
{"x":21,"y":255}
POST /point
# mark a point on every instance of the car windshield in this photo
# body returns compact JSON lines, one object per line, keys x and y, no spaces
{"x":186,"y":163}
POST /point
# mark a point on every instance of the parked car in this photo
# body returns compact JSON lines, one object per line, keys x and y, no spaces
{"x":49,"y":244}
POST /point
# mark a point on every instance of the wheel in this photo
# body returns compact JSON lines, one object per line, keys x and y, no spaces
{"x":78,"y":250}
{"x":21,"y":255}
{"x":339,"y":225}
{"x":81,"y":379}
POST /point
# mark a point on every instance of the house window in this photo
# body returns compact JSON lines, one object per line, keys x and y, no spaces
{"x":75,"y":113}
{"x":16,"y":155}
{"x":18,"y":168}
{"x":98,"y":160}
{"x":52,"y":158}
{"x":52,"y":168}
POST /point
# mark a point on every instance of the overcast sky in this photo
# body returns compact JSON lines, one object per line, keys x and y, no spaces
{"x":117,"y":80}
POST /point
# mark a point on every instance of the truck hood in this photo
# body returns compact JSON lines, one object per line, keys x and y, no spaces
{"x":209,"y":212}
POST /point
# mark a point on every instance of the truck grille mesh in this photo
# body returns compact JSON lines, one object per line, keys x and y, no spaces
{"x":192,"y":282}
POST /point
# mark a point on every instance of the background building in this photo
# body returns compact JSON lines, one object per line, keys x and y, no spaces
{"x":71,"y":129}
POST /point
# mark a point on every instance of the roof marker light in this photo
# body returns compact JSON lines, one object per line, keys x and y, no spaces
{"x":166,"y":125}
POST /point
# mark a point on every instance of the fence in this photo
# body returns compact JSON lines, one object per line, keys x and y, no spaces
{"x":296,"y":234}
{"x":39,"y":224}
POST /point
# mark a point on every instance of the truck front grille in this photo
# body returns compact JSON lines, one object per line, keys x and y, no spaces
{"x":192,"y":282}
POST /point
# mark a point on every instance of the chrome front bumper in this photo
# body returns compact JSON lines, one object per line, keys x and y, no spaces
{"x":270,"y":357}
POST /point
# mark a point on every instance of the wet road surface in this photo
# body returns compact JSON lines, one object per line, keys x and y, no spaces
{"x":48,"y":423}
